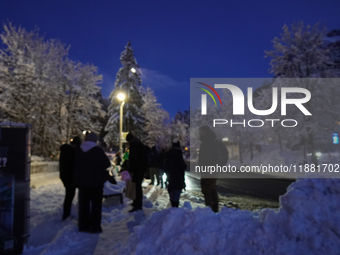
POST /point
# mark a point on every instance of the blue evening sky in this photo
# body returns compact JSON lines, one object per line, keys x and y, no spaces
{"x":174,"y":40}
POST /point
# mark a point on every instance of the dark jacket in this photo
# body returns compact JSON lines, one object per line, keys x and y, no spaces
{"x":208,"y":155}
{"x":174,"y":167}
{"x":90,"y":168}
{"x":66,"y":164}
{"x":137,"y":159}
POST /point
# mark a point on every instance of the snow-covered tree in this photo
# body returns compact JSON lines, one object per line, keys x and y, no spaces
{"x":181,"y":126}
{"x":301,"y":53}
{"x":155,"y":117}
{"x":41,"y":86}
{"x":128,"y":81}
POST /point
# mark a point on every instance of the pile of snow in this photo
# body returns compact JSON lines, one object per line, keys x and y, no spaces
{"x":308,"y":222}
{"x":110,"y":189}
{"x":35,"y":158}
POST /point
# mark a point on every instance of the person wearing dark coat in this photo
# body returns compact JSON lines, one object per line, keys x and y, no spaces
{"x":66,"y":170}
{"x":90,"y":175}
{"x":175,"y":167}
{"x":207,"y":157}
{"x":138,"y":167}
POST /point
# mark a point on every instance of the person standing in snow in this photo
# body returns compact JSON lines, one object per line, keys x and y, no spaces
{"x":90,"y":175}
{"x":175,"y":166}
{"x":66,"y":169}
{"x":208,"y":157}
{"x":138,"y":167}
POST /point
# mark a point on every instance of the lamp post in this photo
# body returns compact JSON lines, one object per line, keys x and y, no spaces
{"x":121,"y":97}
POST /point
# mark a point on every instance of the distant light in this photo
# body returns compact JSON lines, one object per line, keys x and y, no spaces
{"x":318,"y":154}
{"x":225,"y":139}
{"x":133,"y":70}
{"x":335,"y":138}
{"x":71,"y":140}
{"x":186,"y":148}
{"x":121,"y":96}
{"x":84,"y":132}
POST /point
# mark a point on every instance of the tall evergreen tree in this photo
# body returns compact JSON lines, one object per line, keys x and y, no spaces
{"x":128,"y":81}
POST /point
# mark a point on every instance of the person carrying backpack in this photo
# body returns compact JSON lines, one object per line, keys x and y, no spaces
{"x":211,"y":152}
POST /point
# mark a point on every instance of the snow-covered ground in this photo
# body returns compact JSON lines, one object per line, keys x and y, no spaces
{"x":51,"y":235}
{"x":308,"y":222}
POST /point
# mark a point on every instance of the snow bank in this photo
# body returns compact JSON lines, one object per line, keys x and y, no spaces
{"x":110,"y":189}
{"x":308,"y":222}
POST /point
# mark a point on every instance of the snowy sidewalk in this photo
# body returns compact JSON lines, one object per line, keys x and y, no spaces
{"x":51,"y":235}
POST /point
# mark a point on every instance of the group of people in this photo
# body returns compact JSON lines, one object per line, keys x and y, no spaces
{"x":84,"y":166}
{"x":143,"y":160}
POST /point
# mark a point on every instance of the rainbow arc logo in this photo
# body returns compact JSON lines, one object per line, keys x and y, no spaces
{"x":207,"y":91}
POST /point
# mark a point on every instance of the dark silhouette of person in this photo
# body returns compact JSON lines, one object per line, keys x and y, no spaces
{"x":66,"y":169}
{"x":138,"y":167}
{"x":208,"y":157}
{"x":90,"y":175}
{"x":175,"y":166}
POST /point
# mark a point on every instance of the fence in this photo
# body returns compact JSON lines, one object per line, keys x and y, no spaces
{"x":44,"y":167}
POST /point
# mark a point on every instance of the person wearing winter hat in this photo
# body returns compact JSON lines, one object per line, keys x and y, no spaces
{"x":66,"y":170}
{"x":174,"y":167}
{"x":90,"y":175}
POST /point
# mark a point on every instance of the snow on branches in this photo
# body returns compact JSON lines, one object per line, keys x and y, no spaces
{"x":41,"y":86}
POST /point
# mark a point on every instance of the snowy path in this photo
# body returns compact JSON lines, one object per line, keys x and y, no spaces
{"x":50,"y":235}
{"x":40,"y":179}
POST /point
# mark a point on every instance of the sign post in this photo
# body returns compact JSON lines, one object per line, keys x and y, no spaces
{"x":14,"y":186}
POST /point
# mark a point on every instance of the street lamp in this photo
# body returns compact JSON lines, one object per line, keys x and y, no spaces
{"x":121,"y":97}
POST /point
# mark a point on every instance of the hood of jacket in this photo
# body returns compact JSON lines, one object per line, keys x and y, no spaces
{"x":87,"y":145}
